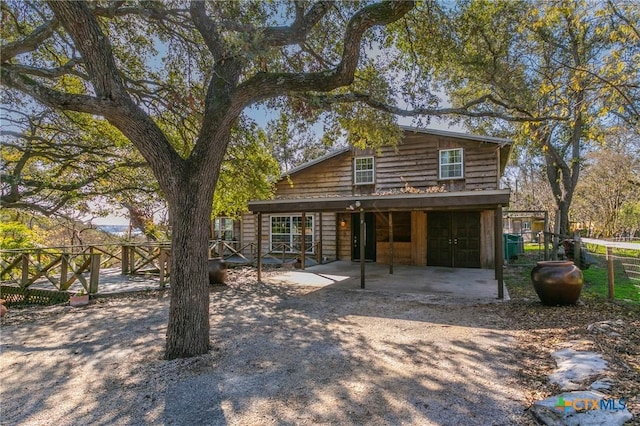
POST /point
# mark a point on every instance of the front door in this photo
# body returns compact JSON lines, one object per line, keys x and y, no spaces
{"x":369,"y":236}
{"x":453,"y":239}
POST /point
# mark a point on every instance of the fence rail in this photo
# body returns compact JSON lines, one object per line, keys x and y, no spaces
{"x":60,"y":267}
{"x":622,"y":260}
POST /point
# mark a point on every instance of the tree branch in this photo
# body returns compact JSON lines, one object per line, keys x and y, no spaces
{"x":51,"y":73}
{"x":323,"y":101}
{"x":298,"y":30}
{"x":30,"y":42}
{"x":207,"y":29}
{"x":51,"y":97}
{"x":81,"y":24}
{"x":265,"y":85}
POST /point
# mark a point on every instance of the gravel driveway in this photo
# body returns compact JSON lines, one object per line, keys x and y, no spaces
{"x":282,"y":355}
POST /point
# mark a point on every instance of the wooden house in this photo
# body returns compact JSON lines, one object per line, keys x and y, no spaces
{"x":432,"y":200}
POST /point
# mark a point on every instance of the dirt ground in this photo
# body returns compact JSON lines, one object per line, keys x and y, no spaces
{"x":281,"y":355}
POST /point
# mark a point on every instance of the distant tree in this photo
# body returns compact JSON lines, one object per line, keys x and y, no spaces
{"x":609,"y":191}
{"x":16,"y":235}
{"x":248,"y":171}
{"x":529,"y":186}
{"x":294,"y":144}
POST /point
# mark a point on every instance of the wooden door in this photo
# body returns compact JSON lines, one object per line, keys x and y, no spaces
{"x":439,"y":250}
{"x":453,"y":239}
{"x":465,"y":227}
{"x":369,"y":236}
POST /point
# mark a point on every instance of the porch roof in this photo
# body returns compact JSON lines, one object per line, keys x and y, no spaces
{"x":434,"y":201}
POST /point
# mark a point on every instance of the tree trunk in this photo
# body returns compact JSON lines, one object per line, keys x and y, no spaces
{"x":562,"y":180}
{"x":188,"y":328}
{"x":563,"y":212}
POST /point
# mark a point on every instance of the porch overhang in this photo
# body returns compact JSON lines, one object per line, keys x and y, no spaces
{"x":458,"y":200}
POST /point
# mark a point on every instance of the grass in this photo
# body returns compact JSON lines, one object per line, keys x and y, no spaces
{"x":595,"y":283}
{"x":517,"y":277}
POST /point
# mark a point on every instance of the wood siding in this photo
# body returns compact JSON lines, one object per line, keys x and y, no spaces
{"x":413,"y":163}
{"x":329,"y":237}
{"x":419,"y":238}
{"x":344,"y":236}
{"x":331,"y":177}
{"x":249,"y":233}
{"x":402,"y":254}
{"x":336,"y":240}
{"x":487,"y":247}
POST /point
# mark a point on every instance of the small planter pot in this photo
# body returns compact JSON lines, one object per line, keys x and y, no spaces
{"x":79,"y":300}
{"x":557,"y":282}
{"x":217,"y":270}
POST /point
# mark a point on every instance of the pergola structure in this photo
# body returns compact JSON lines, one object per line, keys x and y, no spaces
{"x":446,"y":201}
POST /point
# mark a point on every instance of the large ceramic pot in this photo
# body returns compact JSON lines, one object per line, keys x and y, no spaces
{"x":557,"y":282}
{"x":217,"y":270}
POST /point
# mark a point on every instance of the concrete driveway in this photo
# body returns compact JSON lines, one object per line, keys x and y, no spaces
{"x":454,"y":283}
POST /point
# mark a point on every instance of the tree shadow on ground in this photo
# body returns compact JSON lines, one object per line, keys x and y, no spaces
{"x":281,"y":355}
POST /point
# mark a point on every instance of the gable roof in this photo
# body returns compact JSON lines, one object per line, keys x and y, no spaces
{"x":499,"y":141}
{"x":308,"y":164}
{"x":491,"y":139}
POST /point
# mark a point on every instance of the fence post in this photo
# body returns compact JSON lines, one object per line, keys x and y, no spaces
{"x":64,"y":268}
{"x":610,"y":275}
{"x":577,"y":252}
{"x":25,"y":269}
{"x":125,"y":259}
{"x":220,"y":245}
{"x":132,"y":261}
{"x":95,"y":273}
{"x":163,"y":267}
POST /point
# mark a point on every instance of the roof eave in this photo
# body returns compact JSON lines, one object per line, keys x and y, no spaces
{"x":436,"y":201}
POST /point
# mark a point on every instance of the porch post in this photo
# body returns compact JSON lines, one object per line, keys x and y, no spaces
{"x":499,"y":256}
{"x":320,"y":239}
{"x":259,"y":247}
{"x":362,"y":244}
{"x":304,"y":241}
{"x":391,"y":242}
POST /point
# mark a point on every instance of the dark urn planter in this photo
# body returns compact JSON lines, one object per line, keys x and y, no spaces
{"x":557,"y":282}
{"x":217,"y":270}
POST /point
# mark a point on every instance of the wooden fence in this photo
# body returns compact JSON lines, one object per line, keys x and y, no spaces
{"x":626,"y":253}
{"x":60,"y":267}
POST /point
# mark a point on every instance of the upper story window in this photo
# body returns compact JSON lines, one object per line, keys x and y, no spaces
{"x":363,"y":171}
{"x":451,"y":164}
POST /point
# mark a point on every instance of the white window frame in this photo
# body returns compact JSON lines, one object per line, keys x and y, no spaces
{"x":441,"y":164}
{"x":220,"y":231}
{"x":291,"y":234}
{"x":362,"y":171}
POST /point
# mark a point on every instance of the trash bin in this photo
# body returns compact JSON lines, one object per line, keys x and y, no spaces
{"x":513,"y":245}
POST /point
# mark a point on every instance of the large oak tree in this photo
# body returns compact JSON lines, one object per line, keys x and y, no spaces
{"x":174,"y":78}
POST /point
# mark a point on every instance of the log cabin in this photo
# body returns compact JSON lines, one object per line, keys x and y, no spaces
{"x":434,"y":199}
